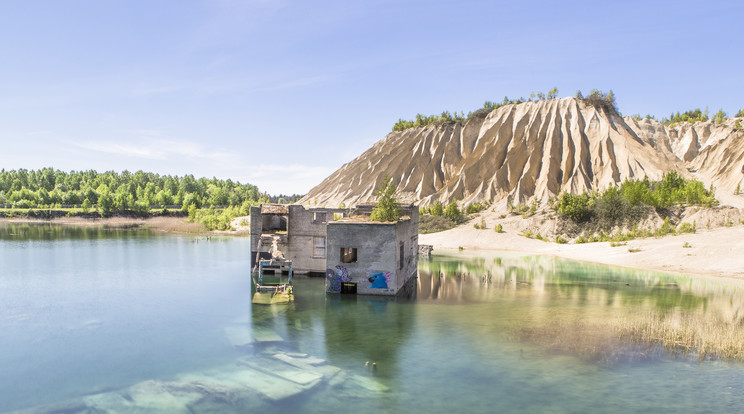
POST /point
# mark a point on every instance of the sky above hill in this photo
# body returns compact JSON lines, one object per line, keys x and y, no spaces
{"x":282,"y":93}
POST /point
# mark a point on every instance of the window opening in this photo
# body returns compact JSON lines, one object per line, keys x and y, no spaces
{"x":319,"y":247}
{"x":348,"y":255}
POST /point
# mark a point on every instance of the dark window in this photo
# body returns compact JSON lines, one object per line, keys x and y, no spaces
{"x":348,"y":255}
{"x":319,"y":217}
{"x":273,"y":223}
{"x":401,"y":255}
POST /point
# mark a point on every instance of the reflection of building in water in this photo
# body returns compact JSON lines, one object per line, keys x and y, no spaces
{"x":476,"y":278}
{"x":360,"y":329}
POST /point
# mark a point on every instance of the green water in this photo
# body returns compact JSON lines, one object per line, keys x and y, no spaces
{"x":133,"y":321}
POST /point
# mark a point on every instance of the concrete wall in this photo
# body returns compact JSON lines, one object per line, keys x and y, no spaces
{"x":380,"y":268}
{"x":302,"y":227}
{"x":406,"y":234}
{"x":255,"y":226}
{"x":376,"y":257}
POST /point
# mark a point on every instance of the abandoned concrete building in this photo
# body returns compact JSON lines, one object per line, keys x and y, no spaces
{"x":356,"y":255}
{"x":372,"y":258}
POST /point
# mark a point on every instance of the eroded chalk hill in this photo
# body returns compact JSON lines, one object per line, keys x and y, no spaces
{"x":714,"y":151}
{"x":520,"y":152}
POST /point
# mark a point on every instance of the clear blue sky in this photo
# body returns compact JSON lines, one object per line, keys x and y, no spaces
{"x":282,"y":93}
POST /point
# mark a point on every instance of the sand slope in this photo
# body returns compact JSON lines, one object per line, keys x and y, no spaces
{"x":532,"y":150}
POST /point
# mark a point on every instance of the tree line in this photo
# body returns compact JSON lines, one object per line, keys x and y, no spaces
{"x":595,"y":98}
{"x":696,"y":115}
{"x":112,"y":192}
{"x":451,"y":118}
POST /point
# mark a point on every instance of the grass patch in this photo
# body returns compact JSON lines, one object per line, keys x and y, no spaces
{"x":698,"y":335}
{"x":433,"y":224}
{"x":523,"y":209}
{"x":639,"y":337}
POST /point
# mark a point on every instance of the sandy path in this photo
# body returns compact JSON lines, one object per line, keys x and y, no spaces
{"x":716,"y":252}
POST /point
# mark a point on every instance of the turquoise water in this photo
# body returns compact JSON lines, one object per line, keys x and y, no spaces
{"x":133,"y":321}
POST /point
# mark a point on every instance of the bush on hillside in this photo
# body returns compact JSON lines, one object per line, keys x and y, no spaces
{"x":600,"y":100}
{"x":633,"y":201}
{"x":433,"y":224}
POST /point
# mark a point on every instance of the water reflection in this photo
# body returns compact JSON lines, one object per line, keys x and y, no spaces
{"x":549,"y":297}
{"x":164,"y":324}
{"x":24,"y":232}
{"x":464,"y":279}
{"x":361,"y":329}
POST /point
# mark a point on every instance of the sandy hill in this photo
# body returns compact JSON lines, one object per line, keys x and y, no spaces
{"x":534,"y":150}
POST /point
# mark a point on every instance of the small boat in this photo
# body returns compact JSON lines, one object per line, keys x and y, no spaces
{"x":279,"y":291}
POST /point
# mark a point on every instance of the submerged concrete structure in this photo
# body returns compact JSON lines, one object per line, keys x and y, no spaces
{"x":372,"y":258}
{"x":292,"y":232}
{"x":355,"y":254}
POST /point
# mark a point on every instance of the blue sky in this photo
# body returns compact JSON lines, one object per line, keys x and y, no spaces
{"x":282,"y":93}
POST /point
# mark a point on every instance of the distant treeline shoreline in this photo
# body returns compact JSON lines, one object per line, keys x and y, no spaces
{"x":49,"y":193}
{"x":110,"y":192}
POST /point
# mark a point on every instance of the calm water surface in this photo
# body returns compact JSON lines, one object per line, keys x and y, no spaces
{"x":129,"y":320}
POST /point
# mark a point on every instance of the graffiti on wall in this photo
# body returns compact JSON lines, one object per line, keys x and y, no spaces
{"x":336,"y":277}
{"x":379,"y":280}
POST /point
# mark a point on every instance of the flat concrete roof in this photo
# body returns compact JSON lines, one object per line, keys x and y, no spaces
{"x":274,"y":209}
{"x":365,"y":220}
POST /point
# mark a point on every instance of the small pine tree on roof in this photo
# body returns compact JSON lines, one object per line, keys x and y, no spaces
{"x":387,"y":203}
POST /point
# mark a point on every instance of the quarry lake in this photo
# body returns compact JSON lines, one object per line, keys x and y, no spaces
{"x":95,"y":320}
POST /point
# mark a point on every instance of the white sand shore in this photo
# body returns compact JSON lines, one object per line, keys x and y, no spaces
{"x":716,"y":252}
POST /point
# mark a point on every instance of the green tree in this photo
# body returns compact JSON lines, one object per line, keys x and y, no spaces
{"x":141,"y":207}
{"x":453,"y":212}
{"x":105,"y":204}
{"x":437,"y":209}
{"x":575,"y":207}
{"x":719,"y":116}
{"x":387,"y":204}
